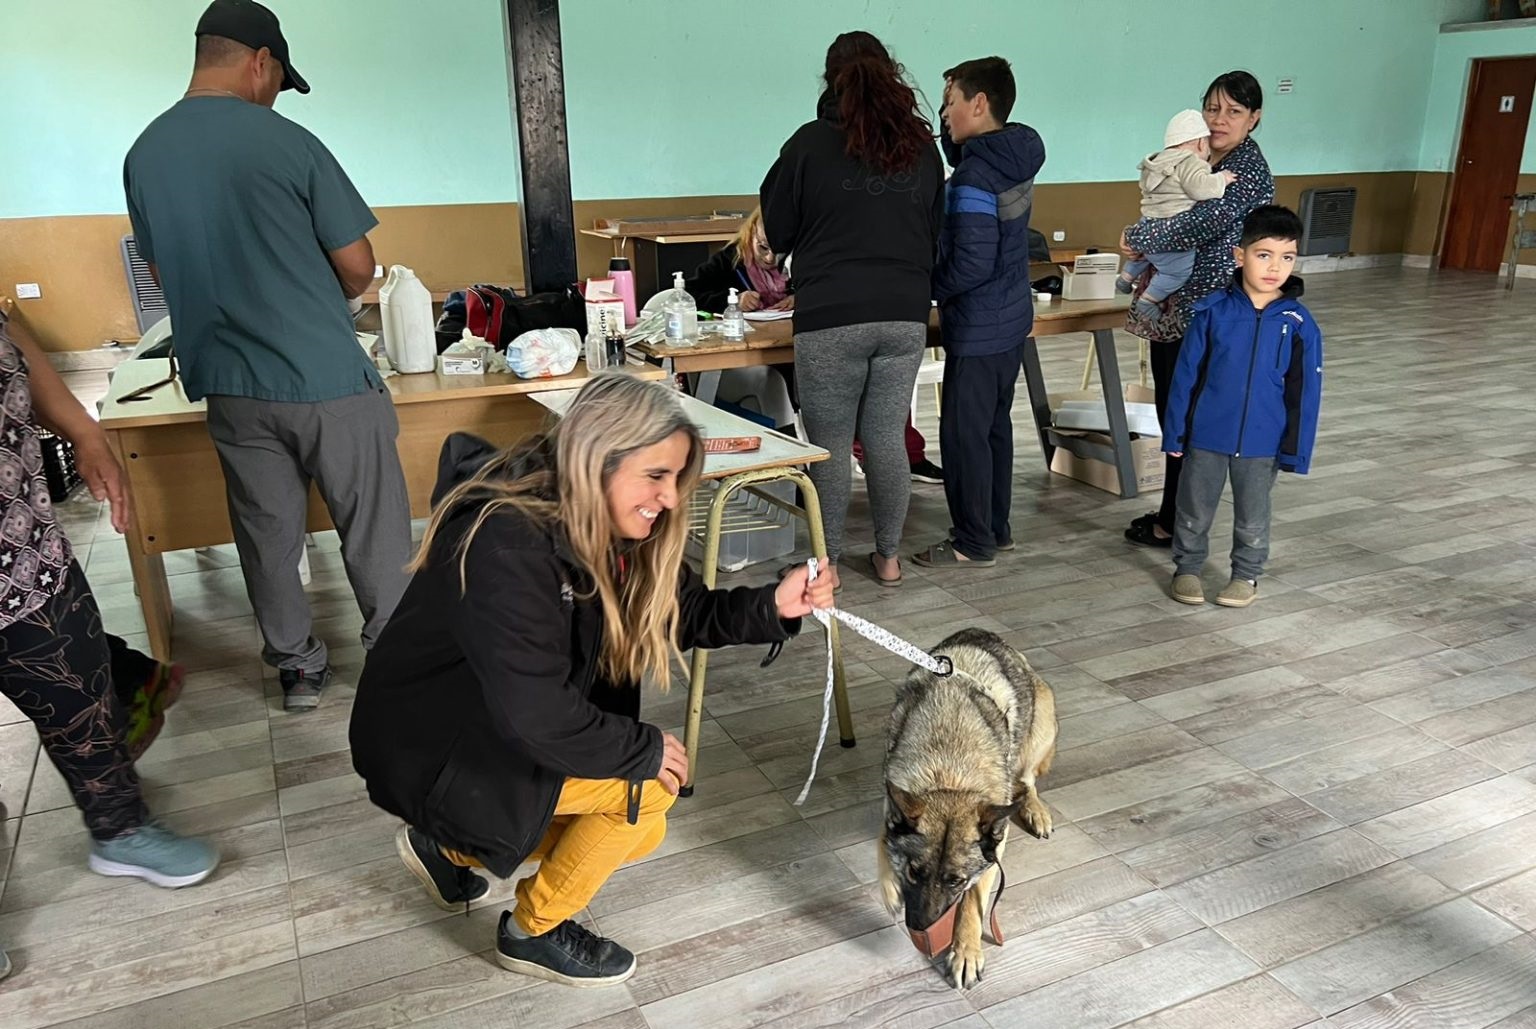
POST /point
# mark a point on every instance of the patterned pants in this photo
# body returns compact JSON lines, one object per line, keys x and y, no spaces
{"x":54,"y":666}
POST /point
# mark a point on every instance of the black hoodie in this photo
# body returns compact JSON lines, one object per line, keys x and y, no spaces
{"x":862,"y":244}
{"x":477,"y":703}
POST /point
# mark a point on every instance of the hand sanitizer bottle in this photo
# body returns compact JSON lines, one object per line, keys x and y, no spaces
{"x":682,"y":315}
{"x":735,"y":328}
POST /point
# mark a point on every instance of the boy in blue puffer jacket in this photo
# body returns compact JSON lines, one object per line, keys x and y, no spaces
{"x":986,"y":306}
{"x":1243,"y":402}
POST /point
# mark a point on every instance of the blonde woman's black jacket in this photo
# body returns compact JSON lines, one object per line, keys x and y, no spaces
{"x":474,"y":707}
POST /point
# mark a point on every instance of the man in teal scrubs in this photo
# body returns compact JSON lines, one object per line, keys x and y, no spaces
{"x":259,"y":241}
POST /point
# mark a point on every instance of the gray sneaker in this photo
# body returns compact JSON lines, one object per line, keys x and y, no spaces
{"x":301,"y":690}
{"x":1187,"y":589}
{"x":154,"y":853}
{"x":1238,"y":593}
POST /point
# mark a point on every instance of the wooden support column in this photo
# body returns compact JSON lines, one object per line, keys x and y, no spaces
{"x":536,"y":69}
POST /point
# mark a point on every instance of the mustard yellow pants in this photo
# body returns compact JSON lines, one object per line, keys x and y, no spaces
{"x":589,"y":838}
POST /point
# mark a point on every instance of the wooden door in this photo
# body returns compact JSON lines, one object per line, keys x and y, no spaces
{"x":1488,"y":163}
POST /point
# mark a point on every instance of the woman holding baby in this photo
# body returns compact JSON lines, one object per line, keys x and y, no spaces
{"x":1233,"y":106}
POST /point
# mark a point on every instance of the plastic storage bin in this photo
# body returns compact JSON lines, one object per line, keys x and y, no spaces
{"x":752,"y":529}
{"x":58,"y":465}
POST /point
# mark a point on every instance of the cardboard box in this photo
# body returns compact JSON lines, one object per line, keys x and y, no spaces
{"x":1146,"y":456}
{"x":1091,"y":277}
{"x":1146,"y":452}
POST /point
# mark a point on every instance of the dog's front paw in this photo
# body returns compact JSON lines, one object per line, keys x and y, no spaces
{"x":1036,"y":817}
{"x":966,"y":962}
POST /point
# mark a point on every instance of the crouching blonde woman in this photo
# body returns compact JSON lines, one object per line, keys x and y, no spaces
{"x":499,"y":712}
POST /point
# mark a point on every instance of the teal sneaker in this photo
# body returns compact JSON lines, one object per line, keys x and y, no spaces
{"x":155,"y":853}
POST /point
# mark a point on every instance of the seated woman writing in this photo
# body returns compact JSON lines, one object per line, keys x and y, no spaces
{"x":498,"y":714}
{"x":747,"y":265}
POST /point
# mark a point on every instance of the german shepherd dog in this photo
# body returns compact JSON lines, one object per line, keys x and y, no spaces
{"x":962,"y":759}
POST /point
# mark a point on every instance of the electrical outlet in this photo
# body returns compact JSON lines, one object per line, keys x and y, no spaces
{"x":28,"y":291}
{"x":378,"y":271}
{"x":1058,"y":236}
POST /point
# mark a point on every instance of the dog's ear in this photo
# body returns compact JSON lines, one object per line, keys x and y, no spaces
{"x":908,"y":807}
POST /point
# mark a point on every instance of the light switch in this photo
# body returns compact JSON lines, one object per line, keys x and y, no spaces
{"x":1058,"y":236}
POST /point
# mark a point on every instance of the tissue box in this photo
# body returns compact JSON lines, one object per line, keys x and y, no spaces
{"x":460,"y":364}
{"x":1091,"y":277}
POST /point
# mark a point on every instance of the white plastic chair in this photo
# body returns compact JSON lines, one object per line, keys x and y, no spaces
{"x":930,"y":373}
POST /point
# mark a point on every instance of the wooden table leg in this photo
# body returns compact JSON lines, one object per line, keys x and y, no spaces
{"x":154,"y":590}
{"x":1114,"y":407}
{"x":149,"y":578}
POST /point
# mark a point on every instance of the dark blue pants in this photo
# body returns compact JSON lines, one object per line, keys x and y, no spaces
{"x":976,"y":444}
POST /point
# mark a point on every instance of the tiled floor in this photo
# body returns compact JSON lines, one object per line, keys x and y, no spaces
{"x":1319,"y":811}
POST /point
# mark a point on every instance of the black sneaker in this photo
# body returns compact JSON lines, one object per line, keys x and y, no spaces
{"x":301,"y":690}
{"x":450,"y":886}
{"x":568,"y":954}
{"x":926,"y":471}
{"x":1144,"y":534}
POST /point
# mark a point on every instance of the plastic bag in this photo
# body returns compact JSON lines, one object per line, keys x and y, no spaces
{"x":544,"y":353}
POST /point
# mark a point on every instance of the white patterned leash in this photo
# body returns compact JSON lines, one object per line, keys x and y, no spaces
{"x":876,"y":635}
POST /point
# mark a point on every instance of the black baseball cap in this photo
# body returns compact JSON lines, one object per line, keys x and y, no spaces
{"x":246,"y":21}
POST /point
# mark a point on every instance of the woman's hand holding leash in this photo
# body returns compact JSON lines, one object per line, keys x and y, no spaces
{"x":798,"y":595}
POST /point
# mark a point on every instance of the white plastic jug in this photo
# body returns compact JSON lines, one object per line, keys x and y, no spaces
{"x":405,"y":307}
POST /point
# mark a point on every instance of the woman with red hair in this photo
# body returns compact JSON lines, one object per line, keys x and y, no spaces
{"x":856,"y":197}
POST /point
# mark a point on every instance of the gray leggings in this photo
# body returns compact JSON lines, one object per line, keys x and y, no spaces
{"x":860,"y":376}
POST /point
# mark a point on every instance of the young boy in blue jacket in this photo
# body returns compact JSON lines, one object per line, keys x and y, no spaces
{"x":986,"y":306}
{"x":1243,"y":404}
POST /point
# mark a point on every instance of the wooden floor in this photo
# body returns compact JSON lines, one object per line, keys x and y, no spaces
{"x":1319,"y":811}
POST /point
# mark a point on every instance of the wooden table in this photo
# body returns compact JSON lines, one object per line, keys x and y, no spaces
{"x":774,"y":343}
{"x":1101,"y":318}
{"x":780,"y":459}
{"x":177,"y":484}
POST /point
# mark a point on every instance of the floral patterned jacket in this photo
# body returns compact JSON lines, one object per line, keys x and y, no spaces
{"x":1211,"y":228}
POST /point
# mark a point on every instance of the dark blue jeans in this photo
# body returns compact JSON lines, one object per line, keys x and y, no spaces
{"x":976,"y":446}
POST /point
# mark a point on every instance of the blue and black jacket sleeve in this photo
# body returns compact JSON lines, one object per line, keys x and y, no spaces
{"x":1303,"y":399}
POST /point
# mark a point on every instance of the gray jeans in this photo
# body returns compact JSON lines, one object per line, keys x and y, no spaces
{"x":271,"y":452}
{"x":1200,"y":485}
{"x":860,"y":377}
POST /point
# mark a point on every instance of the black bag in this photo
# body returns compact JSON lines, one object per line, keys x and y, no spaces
{"x":498,"y":315}
{"x":1039,"y":249}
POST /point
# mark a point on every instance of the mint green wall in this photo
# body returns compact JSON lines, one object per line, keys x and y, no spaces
{"x":411,"y":96}
{"x":687,"y":97}
{"x":1098,"y":78}
{"x":1448,"y":90}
